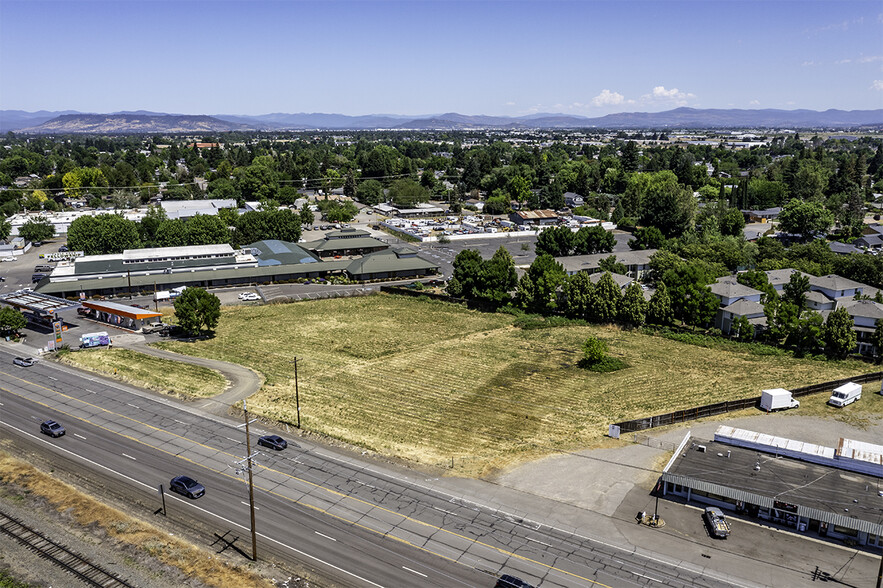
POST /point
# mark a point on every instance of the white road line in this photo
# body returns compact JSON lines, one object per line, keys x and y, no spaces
{"x":51,"y":378}
{"x":324,"y":535}
{"x":132,"y":405}
{"x":129,"y":456}
{"x":414,"y":572}
{"x":233,"y":440}
{"x":538,"y":541}
{"x":246,"y":504}
{"x":151,"y":487}
{"x":181,"y":422}
{"x":89,"y":391}
{"x":648,"y":577}
{"x":80,"y":436}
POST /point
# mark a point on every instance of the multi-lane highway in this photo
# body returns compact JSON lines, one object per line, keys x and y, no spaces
{"x":353,"y":523}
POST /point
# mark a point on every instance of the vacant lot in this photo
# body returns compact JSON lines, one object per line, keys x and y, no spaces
{"x":429,"y":381}
{"x":153,"y":373}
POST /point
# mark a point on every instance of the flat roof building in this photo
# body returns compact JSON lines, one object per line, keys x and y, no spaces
{"x":791,"y":483}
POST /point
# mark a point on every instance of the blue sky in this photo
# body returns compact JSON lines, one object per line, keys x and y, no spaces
{"x":498,"y":58}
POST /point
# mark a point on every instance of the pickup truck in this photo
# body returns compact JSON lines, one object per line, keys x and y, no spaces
{"x":717,"y":524}
{"x":154,"y":327}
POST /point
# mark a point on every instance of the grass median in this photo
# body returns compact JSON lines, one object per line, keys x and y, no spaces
{"x":430,"y":381}
{"x":146,"y":371}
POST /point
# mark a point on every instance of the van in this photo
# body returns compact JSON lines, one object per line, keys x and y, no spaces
{"x":42,"y":268}
{"x":845,"y":394}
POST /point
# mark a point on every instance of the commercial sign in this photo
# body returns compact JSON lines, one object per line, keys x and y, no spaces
{"x":56,"y":326}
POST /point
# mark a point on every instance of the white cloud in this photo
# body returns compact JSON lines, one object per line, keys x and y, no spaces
{"x":842,"y":61}
{"x":608,"y":98}
{"x":754,"y":103}
{"x":674,"y":95}
{"x":509,"y":104}
{"x":877,"y":85}
{"x":808,"y":63}
{"x":870,"y":58}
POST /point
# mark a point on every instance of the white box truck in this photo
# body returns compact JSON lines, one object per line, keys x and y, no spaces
{"x":777,"y":399}
{"x":845,"y":394}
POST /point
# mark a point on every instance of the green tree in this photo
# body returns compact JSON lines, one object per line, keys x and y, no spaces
{"x":877,"y":339}
{"x":337,"y":212}
{"x":103,"y":234}
{"x":197,"y":310}
{"x":205,"y":229}
{"x":805,"y":218}
{"x":589,"y":240}
{"x":741,"y":329}
{"x":594,"y":350}
{"x":647,"y":238}
{"x":577,"y":293}
{"x":11,"y":319}
{"x":808,"y":335}
{"x":633,"y":310}
{"x":731,"y":222}
{"x":306,"y":215}
{"x":150,"y":224}
{"x":659,"y":310}
{"x":537,"y":288}
{"x":667,"y":205}
{"x":407,"y":193}
{"x":691,"y":299}
{"x":555,"y":241}
{"x":609,"y":264}
{"x":839,"y":337}
{"x":282,"y":225}
{"x":795,"y":290}
{"x":37,"y":229}
{"x":5,"y":229}
{"x":498,"y":277}
{"x":519,"y":189}
{"x":466,"y":278}
{"x":606,"y":300}
{"x":370,"y":192}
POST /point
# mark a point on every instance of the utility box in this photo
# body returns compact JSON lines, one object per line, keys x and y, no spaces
{"x":777,"y":399}
{"x":845,"y":394}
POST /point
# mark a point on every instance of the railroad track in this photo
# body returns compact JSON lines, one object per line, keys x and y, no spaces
{"x":59,"y":555}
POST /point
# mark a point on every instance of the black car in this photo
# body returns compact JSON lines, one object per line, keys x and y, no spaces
{"x":63,"y":249}
{"x":24,"y":361}
{"x":186,"y":486}
{"x":273,"y":442}
{"x":51,"y":428}
{"x":507,"y":581}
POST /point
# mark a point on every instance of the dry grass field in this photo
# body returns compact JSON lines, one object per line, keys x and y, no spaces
{"x":200,"y":565}
{"x":430,"y":381}
{"x":154,"y":373}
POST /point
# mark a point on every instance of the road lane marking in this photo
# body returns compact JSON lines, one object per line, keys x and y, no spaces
{"x":80,"y":436}
{"x":51,"y":378}
{"x":246,"y":504}
{"x":414,"y":571}
{"x":180,"y":422}
{"x":324,"y":535}
{"x":152,"y":488}
{"x":133,"y":406}
{"x":337,"y":493}
{"x":129,"y":456}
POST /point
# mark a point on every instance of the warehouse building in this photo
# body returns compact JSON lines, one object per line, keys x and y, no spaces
{"x":210,"y":266}
{"x":820,"y":491}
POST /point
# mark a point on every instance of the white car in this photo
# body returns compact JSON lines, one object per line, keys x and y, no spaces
{"x":249,"y":296}
{"x":10,"y":258}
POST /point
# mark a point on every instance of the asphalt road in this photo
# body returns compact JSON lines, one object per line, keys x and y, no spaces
{"x":350,"y":521}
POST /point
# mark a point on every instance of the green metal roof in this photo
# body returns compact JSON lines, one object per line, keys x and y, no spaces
{"x":387,"y":262}
{"x":343,"y":244}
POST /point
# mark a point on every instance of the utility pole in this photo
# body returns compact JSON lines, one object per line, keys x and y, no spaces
{"x":296,"y":393}
{"x":254,"y":536}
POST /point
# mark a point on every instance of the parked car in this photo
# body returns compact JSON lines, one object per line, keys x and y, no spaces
{"x":63,"y":249}
{"x":83,"y":311}
{"x":2,"y":278}
{"x":507,"y":581}
{"x":249,"y":296}
{"x":273,"y":442}
{"x":24,"y":361}
{"x":154,"y":327}
{"x":717,"y":524}
{"x":186,"y":486}
{"x":9,"y":258}
{"x":51,"y":428}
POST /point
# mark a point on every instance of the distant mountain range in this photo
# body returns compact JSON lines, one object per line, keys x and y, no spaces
{"x":67,"y":122}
